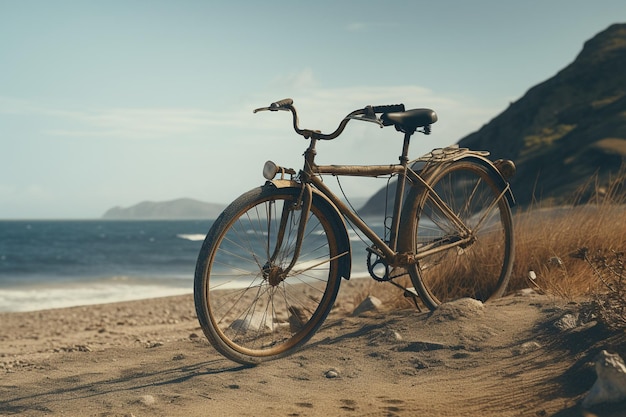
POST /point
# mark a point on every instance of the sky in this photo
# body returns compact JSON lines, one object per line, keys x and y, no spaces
{"x":111,"y":103}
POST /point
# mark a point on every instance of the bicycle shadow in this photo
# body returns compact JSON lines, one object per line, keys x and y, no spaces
{"x":33,"y":397}
{"x":145,"y":372}
{"x":350,"y":327}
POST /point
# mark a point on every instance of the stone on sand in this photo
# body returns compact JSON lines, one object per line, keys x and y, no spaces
{"x":461,"y":308}
{"x":370,"y":303}
{"x":610,"y":387}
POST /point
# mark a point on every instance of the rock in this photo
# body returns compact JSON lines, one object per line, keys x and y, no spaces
{"x":461,"y":308}
{"x":370,"y":303}
{"x":254,"y":322}
{"x":384,"y":336}
{"x":297,"y":319}
{"x":526,"y":292}
{"x":610,"y":387}
{"x":526,"y":348}
{"x":567,"y":322}
{"x":555,"y":261}
{"x":395,"y":336}
{"x":147,"y":400}
{"x":331,"y":373}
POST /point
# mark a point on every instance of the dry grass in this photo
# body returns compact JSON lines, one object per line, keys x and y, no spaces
{"x":548,"y":240}
{"x":548,"y":244}
{"x":609,"y":305}
{"x":569,"y":249}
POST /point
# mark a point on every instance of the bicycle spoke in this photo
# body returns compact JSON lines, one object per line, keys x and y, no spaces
{"x":489,"y":210}
{"x":473,"y":260}
{"x":256,"y":307}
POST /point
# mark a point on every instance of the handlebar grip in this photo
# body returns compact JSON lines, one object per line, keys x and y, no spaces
{"x":391,"y":108}
{"x":286,"y":102}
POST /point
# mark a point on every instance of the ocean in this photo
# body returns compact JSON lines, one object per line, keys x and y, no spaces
{"x":54,"y":264}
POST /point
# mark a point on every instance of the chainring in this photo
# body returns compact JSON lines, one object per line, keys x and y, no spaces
{"x":374,"y":260}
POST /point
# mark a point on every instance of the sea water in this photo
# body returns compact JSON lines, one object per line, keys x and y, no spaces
{"x":53,"y":264}
{"x":50,"y":264}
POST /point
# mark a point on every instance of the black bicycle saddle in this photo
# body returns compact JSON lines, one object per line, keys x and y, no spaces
{"x":410,"y":120}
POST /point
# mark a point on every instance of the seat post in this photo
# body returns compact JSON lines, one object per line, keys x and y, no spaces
{"x":404,"y":161}
{"x":404,"y":158}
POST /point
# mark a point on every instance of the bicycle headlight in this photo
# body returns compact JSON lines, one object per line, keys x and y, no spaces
{"x":270,"y":170}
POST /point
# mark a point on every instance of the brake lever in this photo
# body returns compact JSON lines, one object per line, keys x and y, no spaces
{"x":365,"y":118}
{"x":270,"y":108}
{"x":368,"y":115}
{"x":284,"y":104}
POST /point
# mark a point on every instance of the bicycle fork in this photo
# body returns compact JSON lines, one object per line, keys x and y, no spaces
{"x":274,"y":273}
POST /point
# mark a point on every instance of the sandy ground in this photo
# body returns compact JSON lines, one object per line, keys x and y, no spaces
{"x":150,"y":358}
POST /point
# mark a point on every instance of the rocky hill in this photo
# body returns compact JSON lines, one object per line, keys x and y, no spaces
{"x":183,"y":208}
{"x":564,"y":130}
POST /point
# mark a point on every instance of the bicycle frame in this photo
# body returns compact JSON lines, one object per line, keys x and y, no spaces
{"x":388,"y":251}
{"x":309,"y":176}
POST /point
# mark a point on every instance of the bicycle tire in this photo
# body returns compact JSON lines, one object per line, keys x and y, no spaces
{"x":478,"y":269}
{"x":246,"y":317}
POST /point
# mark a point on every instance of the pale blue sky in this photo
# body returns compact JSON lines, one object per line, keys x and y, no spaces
{"x":106,"y":103}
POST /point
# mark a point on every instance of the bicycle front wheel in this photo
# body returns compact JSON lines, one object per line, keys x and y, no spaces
{"x":462,"y":234}
{"x":251,"y":305}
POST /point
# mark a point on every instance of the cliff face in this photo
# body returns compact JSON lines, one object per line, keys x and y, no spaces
{"x":567,"y":128}
{"x":564,"y":130}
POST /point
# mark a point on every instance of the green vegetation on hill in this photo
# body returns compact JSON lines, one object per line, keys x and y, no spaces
{"x":563,"y":131}
{"x":568,"y":128}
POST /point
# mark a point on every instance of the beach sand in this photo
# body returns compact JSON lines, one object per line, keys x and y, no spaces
{"x":150,"y":358}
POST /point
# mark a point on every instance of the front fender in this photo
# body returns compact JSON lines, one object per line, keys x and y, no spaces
{"x":282,"y":183}
{"x":333,"y":216}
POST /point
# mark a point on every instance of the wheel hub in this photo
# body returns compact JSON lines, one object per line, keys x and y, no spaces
{"x":274,"y":274}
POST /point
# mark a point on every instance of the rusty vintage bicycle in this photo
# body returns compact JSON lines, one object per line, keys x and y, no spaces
{"x":271,"y":265}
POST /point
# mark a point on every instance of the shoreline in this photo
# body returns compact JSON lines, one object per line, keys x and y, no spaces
{"x":50,"y":296}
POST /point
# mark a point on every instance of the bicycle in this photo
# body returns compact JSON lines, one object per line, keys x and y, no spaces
{"x":270,"y":267}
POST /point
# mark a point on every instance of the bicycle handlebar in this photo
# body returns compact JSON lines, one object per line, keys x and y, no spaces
{"x":390,"y":108}
{"x":281,"y":103}
{"x":367,"y":113}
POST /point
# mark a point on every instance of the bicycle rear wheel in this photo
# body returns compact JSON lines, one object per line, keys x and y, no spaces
{"x":249,"y":305}
{"x":455,"y":261}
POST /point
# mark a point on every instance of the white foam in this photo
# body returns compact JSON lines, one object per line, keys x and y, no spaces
{"x":194,"y":237}
{"x":43,"y":298}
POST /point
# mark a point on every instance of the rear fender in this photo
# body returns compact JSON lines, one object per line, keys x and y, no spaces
{"x":405,"y":242}
{"x":337,"y":221}
{"x":500,"y":180}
